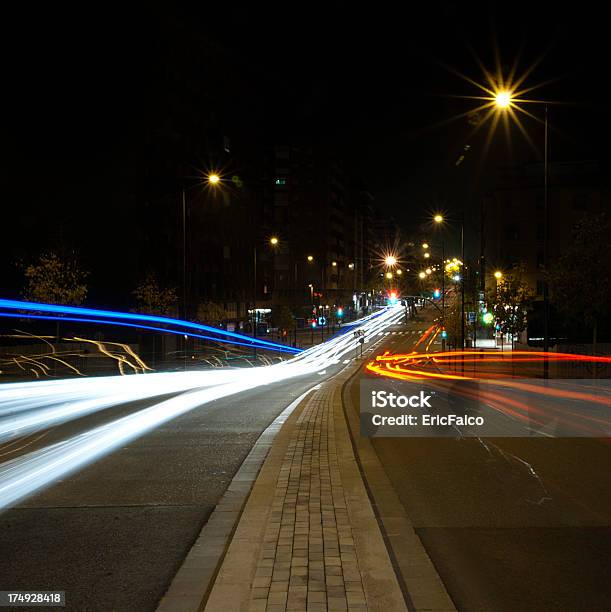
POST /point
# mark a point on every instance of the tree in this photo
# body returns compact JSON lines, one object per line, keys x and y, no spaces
{"x":153,"y":299}
{"x":510,"y":301}
{"x":283,"y":318}
{"x":55,"y":280}
{"x":581,"y":279}
{"x":211,"y":313}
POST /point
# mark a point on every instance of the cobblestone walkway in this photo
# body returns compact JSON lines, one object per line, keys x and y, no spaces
{"x":308,"y":561}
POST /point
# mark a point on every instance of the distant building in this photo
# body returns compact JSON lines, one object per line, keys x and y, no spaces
{"x":513,"y":214}
{"x":324,"y":225}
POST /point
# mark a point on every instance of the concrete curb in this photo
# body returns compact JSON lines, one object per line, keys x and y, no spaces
{"x":382,"y":590}
{"x":193,"y":582}
{"x":421,"y":584}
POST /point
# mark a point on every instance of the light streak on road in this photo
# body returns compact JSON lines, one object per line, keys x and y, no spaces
{"x":25,"y":407}
{"x":577,"y":406}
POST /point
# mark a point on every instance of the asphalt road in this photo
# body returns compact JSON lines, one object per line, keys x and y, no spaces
{"x":113,"y":534}
{"x":511,"y":524}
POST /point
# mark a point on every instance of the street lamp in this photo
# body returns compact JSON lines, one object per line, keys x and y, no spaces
{"x":388,"y":275}
{"x":438,"y":218}
{"x":421,"y":275}
{"x":399,"y":272}
{"x":425,"y":245}
{"x":502,"y":99}
{"x":498,"y":275}
{"x":427,"y":255}
{"x":273,"y":241}
{"x":310,"y":258}
{"x":390,"y":261}
{"x":214,"y":178}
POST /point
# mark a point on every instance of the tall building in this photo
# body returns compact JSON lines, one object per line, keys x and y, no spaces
{"x":513,"y":214}
{"x":320,"y":223}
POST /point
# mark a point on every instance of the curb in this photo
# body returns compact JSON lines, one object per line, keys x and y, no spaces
{"x":422,"y":586}
{"x":193,"y":582}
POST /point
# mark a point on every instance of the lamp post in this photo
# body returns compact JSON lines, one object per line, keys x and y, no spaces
{"x":273,"y":241}
{"x":438,"y":218}
{"x":503,"y":101}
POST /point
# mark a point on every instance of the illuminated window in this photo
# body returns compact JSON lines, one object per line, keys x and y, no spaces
{"x":280,"y":181}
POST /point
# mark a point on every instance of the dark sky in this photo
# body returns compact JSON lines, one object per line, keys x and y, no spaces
{"x":81,"y":86}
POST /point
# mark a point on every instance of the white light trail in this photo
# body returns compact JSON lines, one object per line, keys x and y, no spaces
{"x":25,"y":407}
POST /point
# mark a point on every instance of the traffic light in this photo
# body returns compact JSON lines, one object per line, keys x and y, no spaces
{"x":444,"y":334}
{"x":392,"y":297}
{"x":340,"y":312}
{"x":437,"y":294}
{"x":487,"y":317}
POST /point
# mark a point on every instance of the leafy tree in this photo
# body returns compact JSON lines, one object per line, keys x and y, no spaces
{"x":510,"y":300}
{"x":581,"y":278}
{"x":153,"y":299}
{"x":283,"y":318}
{"x":211,"y":313}
{"x":55,"y":280}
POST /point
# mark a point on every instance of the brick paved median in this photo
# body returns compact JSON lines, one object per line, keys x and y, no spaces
{"x":309,"y":541}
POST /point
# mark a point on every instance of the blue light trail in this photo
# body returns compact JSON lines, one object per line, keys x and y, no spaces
{"x":108,"y":315}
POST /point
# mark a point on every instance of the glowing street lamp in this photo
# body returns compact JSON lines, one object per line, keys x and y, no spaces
{"x":273,"y":240}
{"x":425,"y":245}
{"x":438,"y":218}
{"x":388,"y":275}
{"x":390,"y":261}
{"x":214,"y":178}
{"x":399,"y":272}
{"x":310,"y":258}
{"x":502,"y":99}
{"x":421,"y":275}
{"x":429,"y":271}
{"x":427,"y":255}
{"x":498,"y":275}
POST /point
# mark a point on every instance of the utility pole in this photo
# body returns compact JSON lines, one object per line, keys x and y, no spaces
{"x":184,"y":254}
{"x":462,"y":285}
{"x":254,"y":300}
{"x":545,"y":249}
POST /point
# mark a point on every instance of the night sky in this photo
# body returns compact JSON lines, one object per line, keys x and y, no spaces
{"x":85,"y":89}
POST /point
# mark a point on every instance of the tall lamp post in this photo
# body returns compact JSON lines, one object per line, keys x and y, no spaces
{"x":273,"y":241}
{"x":438,"y":218}
{"x":503,"y":101}
{"x":443,"y":275}
{"x":212,"y":179}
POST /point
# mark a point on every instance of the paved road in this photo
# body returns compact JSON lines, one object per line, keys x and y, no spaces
{"x":510,"y":524}
{"x":113,"y":535}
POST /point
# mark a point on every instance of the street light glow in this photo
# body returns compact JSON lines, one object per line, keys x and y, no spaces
{"x":438,"y":219}
{"x":389,"y":275}
{"x":390,"y":260}
{"x":427,"y":255}
{"x":310,"y":258}
{"x":425,"y":245}
{"x":498,"y":274}
{"x":503,"y":99}
{"x":213,"y":178}
{"x":273,"y":240}
{"x":421,"y":275}
{"x":399,"y":272}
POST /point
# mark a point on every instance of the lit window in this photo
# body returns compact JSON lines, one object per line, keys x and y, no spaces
{"x":280,"y":181}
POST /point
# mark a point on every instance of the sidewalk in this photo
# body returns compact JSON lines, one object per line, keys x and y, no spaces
{"x":308,"y":538}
